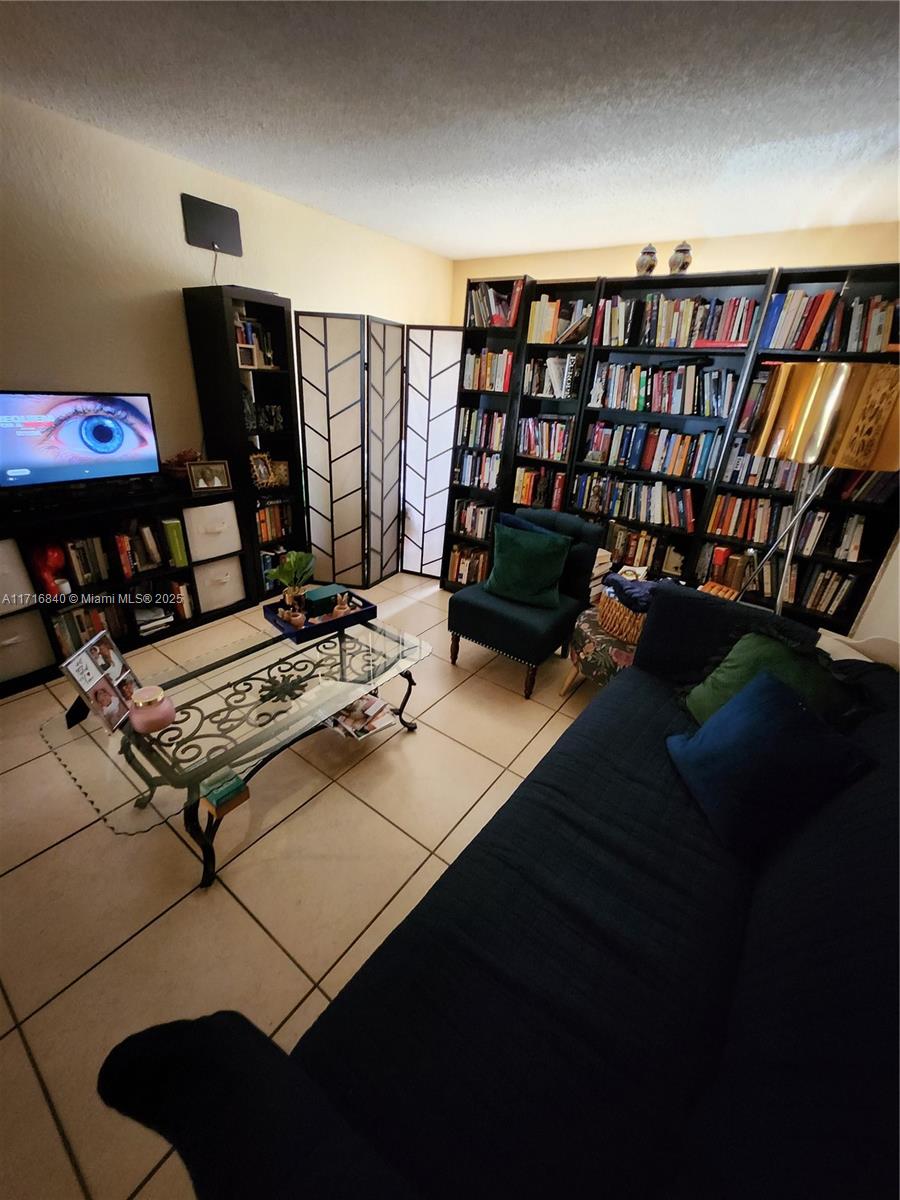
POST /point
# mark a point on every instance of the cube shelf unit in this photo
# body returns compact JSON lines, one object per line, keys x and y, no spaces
{"x":743,"y":360}
{"x":472,"y":401}
{"x":879,"y":518}
{"x":243,"y":354}
{"x":215,"y":573}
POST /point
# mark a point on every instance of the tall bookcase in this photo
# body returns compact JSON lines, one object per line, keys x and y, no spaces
{"x":483,"y":455}
{"x":704,"y":438}
{"x":243,"y":354}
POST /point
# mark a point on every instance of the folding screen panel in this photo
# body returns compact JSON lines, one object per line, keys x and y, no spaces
{"x":385,"y":433}
{"x":332,"y":388}
{"x":432,"y":376}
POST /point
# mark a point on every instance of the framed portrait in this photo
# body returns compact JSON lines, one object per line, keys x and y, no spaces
{"x":281,"y":473}
{"x":261,"y":470}
{"x":104,"y":679}
{"x":209,"y":476}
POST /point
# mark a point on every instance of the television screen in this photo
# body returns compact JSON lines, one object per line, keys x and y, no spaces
{"x":54,"y":437}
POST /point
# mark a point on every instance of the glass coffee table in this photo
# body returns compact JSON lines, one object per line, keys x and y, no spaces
{"x":249,"y":700}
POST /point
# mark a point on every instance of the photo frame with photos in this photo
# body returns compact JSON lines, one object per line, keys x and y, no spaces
{"x":261,"y":470}
{"x":281,"y":473}
{"x":104,"y":679}
{"x":209,"y":476}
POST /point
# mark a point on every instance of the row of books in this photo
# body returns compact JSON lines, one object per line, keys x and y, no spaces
{"x":87,"y":561}
{"x":827,"y":322}
{"x":687,"y":389}
{"x":540,"y":488}
{"x":273,"y":520}
{"x":490,"y":307}
{"x":657,"y":320}
{"x":652,"y":503}
{"x":754,"y":470}
{"x":816,"y":588}
{"x":652,"y":448}
{"x":753,"y":519}
{"x":553,"y":377}
{"x":721,"y":564}
{"x":475,"y":520}
{"x":488,"y":371}
{"x":559,"y":321}
{"x":872,"y":487}
{"x":544,"y":437}
{"x":467,"y":565}
{"x":249,"y":332}
{"x":72,"y":627}
{"x":631,"y":547}
{"x":842,"y":537}
{"x":268,"y":561}
{"x":479,"y":428}
{"x":478,"y":470}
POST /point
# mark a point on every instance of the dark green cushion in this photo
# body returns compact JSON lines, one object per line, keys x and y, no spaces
{"x":756,"y":652}
{"x":527,"y":566}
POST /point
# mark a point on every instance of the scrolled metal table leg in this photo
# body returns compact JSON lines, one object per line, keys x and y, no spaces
{"x":409,"y":726}
{"x":205,"y":842}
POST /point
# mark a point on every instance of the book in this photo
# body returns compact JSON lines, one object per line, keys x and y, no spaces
{"x":174,"y":535}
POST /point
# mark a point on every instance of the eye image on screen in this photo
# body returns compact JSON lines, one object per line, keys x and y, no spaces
{"x":49,"y":438}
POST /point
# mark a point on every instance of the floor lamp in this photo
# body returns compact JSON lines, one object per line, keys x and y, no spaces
{"x":825,"y":417}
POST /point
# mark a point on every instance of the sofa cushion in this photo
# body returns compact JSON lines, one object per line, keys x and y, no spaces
{"x":761,"y":763}
{"x":527,"y":566}
{"x":517,"y":630}
{"x":544,"y":1017}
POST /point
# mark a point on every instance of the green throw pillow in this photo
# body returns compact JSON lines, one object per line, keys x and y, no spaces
{"x":756,"y":652}
{"x":527,"y":566}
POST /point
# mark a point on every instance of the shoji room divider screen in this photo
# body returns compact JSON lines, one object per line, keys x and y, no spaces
{"x":352,"y":406}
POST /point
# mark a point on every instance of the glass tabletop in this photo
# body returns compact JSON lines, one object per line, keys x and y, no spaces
{"x":242,"y":702}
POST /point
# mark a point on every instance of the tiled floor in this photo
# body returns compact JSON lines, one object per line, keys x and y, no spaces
{"x":103,"y":935}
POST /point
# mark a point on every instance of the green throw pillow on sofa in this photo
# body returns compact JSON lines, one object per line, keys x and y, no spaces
{"x":527,"y":566}
{"x":756,"y":652}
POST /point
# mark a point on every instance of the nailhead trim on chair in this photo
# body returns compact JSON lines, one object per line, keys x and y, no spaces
{"x":511,"y":657}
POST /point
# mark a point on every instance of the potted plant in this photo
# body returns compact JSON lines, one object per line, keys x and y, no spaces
{"x":293,"y":572}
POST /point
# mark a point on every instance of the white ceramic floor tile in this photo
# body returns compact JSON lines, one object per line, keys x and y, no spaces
{"x":222,"y":638}
{"x":386,"y":921}
{"x":203,"y":955}
{"x":333,"y":754}
{"x":423,"y":782}
{"x":510,"y":674}
{"x":320,"y":877}
{"x":377,"y":594}
{"x":478,"y":816}
{"x":471,"y":656}
{"x":402,"y":582}
{"x":170,"y":1182}
{"x":580,"y":699}
{"x":20,"y":738}
{"x":296,"y":1025}
{"x":81,"y":899}
{"x":487,"y":718}
{"x":33,"y":691}
{"x":523,"y":764}
{"x":434,"y":677}
{"x":431,"y":592}
{"x":408,"y":615}
{"x":33,"y":1161}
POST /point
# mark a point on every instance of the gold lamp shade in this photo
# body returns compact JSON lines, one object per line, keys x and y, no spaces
{"x":836,"y":414}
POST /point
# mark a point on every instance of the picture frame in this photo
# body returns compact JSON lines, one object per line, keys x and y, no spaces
{"x":281,"y":473}
{"x":261,"y":470}
{"x":104,"y":680}
{"x":246,"y":356}
{"x":209,"y":476}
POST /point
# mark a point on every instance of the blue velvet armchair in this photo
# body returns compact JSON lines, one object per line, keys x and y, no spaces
{"x":519,"y":631}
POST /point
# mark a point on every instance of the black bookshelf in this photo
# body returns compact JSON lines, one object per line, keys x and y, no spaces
{"x":243,"y":355}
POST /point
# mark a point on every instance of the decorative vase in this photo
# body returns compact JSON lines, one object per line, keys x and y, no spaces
{"x":297,"y":619}
{"x":646,"y":260}
{"x":681,"y":259}
{"x":151,"y":710}
{"x":294,"y":597}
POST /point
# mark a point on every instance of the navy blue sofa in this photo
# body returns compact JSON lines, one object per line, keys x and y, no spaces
{"x":596,"y":999}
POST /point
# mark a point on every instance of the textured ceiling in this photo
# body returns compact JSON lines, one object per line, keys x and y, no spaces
{"x":488,"y":128}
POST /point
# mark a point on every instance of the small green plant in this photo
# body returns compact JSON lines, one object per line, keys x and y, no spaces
{"x":294,"y":570}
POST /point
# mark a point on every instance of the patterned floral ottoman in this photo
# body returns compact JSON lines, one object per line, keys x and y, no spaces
{"x":596,"y":654}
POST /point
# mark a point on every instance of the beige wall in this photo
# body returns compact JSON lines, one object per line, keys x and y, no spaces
{"x":880,"y":615}
{"x":794,"y":248}
{"x":94,"y":258}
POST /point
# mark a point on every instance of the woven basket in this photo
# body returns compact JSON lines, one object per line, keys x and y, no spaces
{"x":618,"y":621}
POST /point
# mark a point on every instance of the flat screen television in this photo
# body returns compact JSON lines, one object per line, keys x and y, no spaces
{"x":73,"y":437}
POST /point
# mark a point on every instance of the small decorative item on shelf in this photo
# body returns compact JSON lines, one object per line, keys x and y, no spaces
{"x":646,"y":260}
{"x":261,"y":470}
{"x":681,"y":258}
{"x":281,"y":474}
{"x":177,"y":465}
{"x":151,"y":710}
{"x":293,"y":572}
{"x":246,"y":357}
{"x":209,"y":476}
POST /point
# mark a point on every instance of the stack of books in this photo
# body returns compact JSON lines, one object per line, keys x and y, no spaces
{"x":480,"y":429}
{"x":467,"y":565}
{"x":544,"y":437}
{"x":475,"y":520}
{"x":487,"y":371}
{"x":151,"y":619}
{"x":536,"y":487}
{"x":687,"y":389}
{"x":478,"y":470}
{"x":490,"y":307}
{"x":553,"y":377}
{"x":602,"y":567}
{"x":562,"y":322}
{"x":652,"y":448}
{"x":650,"y":503}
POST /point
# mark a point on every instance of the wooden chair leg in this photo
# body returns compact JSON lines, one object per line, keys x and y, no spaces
{"x":454,"y":648}
{"x":530,"y":676}
{"x":564,"y":650}
{"x":570,"y":681}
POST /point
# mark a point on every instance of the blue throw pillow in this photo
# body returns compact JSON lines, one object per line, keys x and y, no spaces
{"x":513,"y":521}
{"x":762,"y":763}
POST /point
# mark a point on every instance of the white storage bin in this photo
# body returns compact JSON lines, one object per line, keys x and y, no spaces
{"x":24,"y":645}
{"x":219,"y":583}
{"x":14,"y":579}
{"x":212,"y":529}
